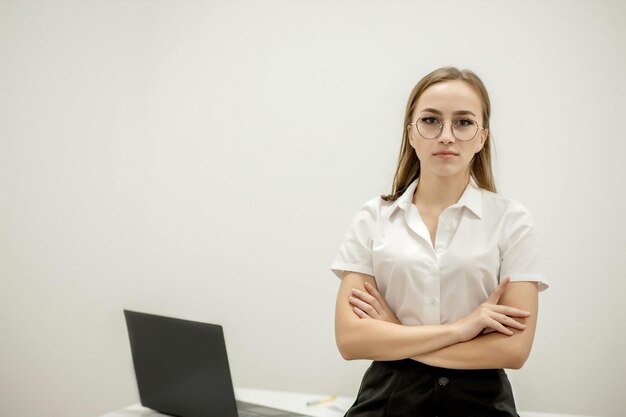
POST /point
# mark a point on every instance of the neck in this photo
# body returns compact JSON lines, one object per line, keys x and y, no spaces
{"x":440,"y":192}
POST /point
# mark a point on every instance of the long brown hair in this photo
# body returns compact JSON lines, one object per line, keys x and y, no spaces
{"x":409,"y":165}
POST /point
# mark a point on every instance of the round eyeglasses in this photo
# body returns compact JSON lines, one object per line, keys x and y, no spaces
{"x":431,"y":127}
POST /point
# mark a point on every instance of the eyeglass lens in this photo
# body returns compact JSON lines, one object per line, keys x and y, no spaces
{"x":431,"y":127}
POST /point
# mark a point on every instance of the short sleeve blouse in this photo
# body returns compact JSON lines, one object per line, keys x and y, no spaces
{"x":481,"y":239}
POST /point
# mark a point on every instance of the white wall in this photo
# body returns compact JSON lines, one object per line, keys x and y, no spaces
{"x":202,"y":159}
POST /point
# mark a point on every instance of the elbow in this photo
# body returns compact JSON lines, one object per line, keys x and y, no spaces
{"x":347,"y":355}
{"x":350,"y":343}
{"x":520,"y":360}
{"x":518,"y":357}
{"x":346,"y":348}
{"x":516,"y":363}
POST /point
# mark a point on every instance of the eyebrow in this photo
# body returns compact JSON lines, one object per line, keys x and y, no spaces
{"x":431,"y":110}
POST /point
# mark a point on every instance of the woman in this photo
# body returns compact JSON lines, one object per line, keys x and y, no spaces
{"x":439,"y":279}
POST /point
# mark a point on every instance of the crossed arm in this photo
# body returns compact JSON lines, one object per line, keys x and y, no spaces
{"x":365,"y":328}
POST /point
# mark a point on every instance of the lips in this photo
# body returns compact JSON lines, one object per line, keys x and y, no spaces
{"x":446,"y":155}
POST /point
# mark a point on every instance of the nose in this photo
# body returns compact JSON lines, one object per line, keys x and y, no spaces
{"x":446,"y":135}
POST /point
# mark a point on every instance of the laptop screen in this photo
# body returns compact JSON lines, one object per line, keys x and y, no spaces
{"x":181,"y":366}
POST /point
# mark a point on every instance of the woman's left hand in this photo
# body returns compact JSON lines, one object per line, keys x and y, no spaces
{"x":369,"y":304}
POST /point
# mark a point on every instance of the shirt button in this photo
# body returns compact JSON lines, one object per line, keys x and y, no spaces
{"x":443,"y":381}
{"x":432,"y":301}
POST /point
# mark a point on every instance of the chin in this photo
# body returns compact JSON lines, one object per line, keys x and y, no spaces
{"x":450,"y":173}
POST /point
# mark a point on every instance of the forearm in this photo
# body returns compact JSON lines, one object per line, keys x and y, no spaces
{"x":489,"y":351}
{"x":494,"y":350}
{"x":384,"y":341}
{"x":381,"y":340}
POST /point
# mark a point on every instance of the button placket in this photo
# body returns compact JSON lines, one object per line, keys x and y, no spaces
{"x":448,"y":223}
{"x":432,"y":285}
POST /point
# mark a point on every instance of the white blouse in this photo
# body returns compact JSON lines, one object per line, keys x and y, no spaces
{"x":481,"y":239}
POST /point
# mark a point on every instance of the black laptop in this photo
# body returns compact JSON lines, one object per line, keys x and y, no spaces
{"x":182,"y":369}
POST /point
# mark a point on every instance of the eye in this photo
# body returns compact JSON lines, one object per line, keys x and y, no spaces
{"x":464,"y":123}
{"x":429,"y":120}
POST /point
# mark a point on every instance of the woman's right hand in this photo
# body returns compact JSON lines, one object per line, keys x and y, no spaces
{"x":490,"y":315}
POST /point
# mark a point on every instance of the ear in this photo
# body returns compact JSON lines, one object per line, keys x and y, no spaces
{"x":410,"y":136}
{"x":483,"y":138}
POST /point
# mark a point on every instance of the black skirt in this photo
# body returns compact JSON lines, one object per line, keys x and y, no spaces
{"x":409,"y":388}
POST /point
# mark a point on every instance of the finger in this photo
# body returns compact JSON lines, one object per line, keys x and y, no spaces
{"x":497,"y":326}
{"x":368,"y":299}
{"x":374,"y":292}
{"x":365,"y":296}
{"x":371,"y":311}
{"x":510,"y":311}
{"x":362,"y":314}
{"x":508,"y":321}
{"x":497,"y":293}
{"x":514,"y":324}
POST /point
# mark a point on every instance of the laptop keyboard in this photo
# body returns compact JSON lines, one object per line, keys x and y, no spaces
{"x":256,"y":410}
{"x":265,"y":413}
{"x":248,"y":414}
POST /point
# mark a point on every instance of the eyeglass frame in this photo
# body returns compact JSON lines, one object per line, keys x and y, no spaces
{"x":441,"y":129}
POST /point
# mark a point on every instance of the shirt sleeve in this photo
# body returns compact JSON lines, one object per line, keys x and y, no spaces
{"x":355,"y":251}
{"x":519,"y":249}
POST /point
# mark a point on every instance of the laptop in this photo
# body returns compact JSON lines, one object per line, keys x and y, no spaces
{"x":182,"y":369}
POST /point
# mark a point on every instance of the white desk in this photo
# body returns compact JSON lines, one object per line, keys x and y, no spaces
{"x":290,"y":401}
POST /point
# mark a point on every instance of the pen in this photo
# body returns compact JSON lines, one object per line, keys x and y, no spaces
{"x":321,"y":400}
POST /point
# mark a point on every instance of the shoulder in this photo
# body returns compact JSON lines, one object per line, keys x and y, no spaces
{"x":370,"y":212}
{"x":502,"y":207}
{"x":510,"y":218}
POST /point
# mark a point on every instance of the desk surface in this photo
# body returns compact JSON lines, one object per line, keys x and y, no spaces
{"x":291,"y":401}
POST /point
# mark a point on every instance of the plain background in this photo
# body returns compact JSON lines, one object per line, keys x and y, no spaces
{"x":203,"y":159}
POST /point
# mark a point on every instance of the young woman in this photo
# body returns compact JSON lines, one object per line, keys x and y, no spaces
{"x":439,"y":279}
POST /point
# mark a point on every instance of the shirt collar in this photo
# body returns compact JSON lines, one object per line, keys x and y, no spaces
{"x":471,"y":198}
{"x":406,"y":199}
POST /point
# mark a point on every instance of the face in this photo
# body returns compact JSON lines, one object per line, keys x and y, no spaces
{"x":447,"y":101}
